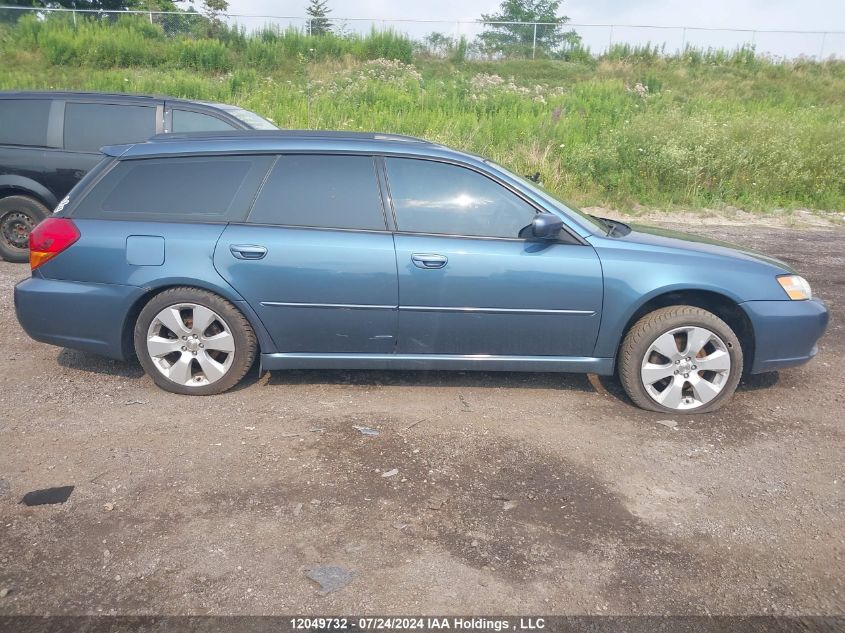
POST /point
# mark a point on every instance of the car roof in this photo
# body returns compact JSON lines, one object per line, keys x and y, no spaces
{"x":101,"y":96}
{"x":285,"y":134}
{"x":267,"y":141}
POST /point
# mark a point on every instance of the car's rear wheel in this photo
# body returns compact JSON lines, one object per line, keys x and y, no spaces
{"x":18,"y":216}
{"x":680,"y":359}
{"x":192,"y":341}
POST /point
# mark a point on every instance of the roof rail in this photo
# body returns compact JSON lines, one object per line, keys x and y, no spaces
{"x":47,"y":94}
{"x":286,"y":134}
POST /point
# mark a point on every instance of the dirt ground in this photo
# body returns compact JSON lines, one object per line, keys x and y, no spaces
{"x":515,"y":493}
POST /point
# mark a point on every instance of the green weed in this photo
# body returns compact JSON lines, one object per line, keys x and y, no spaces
{"x":634,"y":126}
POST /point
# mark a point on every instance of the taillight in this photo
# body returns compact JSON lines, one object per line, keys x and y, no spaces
{"x":50,"y":238}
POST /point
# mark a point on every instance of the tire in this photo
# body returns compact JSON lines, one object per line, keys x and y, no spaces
{"x":194,"y":361}
{"x":18,"y":216}
{"x":692,"y":377}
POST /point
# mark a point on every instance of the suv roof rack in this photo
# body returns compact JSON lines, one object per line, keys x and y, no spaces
{"x":286,"y":134}
{"x":57,"y":94}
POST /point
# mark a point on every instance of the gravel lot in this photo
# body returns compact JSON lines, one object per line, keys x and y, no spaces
{"x":515,"y":493}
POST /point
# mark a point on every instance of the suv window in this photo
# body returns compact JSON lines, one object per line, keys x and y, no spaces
{"x":192,"y":189}
{"x":24,"y":121}
{"x":432,"y":197}
{"x":187,"y":121}
{"x":338,"y":192}
{"x":254,"y":121}
{"x":90,"y":126}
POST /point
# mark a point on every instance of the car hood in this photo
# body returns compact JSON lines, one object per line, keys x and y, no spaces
{"x":667,"y":238}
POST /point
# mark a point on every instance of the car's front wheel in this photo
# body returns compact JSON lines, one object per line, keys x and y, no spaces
{"x":680,"y":359}
{"x":194,"y":342}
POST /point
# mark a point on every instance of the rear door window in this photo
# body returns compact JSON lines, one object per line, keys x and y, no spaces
{"x":187,"y":121}
{"x":192,"y":189}
{"x":24,"y":121}
{"x":90,"y":126}
{"x":339,"y":192}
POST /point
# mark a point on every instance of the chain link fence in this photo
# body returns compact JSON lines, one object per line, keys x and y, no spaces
{"x":476,"y":38}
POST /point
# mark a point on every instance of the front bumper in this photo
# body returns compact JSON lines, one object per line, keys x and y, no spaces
{"x":85,"y":316}
{"x":785,"y":332}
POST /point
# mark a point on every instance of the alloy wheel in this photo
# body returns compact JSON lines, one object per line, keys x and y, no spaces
{"x":190,"y":344}
{"x":686,"y":367}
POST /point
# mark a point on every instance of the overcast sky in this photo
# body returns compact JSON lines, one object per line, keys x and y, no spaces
{"x":744,"y":14}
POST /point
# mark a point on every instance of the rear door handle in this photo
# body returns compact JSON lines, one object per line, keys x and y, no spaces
{"x":429,"y":260}
{"x":247,"y":251}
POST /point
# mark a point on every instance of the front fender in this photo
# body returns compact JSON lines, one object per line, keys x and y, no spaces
{"x":617,"y":314}
{"x":635,"y":274}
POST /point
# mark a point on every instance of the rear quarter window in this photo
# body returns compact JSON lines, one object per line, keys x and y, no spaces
{"x":67,"y":204}
{"x":24,"y":121}
{"x":185,"y":189}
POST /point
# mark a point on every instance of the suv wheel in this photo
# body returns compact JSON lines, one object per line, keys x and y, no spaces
{"x":194,"y":342}
{"x":680,"y":359}
{"x":18,"y":216}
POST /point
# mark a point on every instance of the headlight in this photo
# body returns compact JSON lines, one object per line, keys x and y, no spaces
{"x":795,"y":287}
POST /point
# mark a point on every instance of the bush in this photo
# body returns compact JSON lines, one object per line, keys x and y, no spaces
{"x":205,"y":54}
{"x":458,"y":52}
{"x":103,"y":43}
{"x":637,"y":126}
{"x":387,"y":44}
{"x":270,"y":48}
{"x":633,"y":52}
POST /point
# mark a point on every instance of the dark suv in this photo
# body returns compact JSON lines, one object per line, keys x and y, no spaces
{"x":49,"y":140}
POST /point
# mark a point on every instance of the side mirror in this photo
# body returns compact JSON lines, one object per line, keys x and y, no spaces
{"x":546,"y":226}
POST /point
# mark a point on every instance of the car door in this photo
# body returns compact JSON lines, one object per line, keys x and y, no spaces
{"x":23,"y":139}
{"x":469,"y":285}
{"x":315,"y":259}
{"x":80,"y":127}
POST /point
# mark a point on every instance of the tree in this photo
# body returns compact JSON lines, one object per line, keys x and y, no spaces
{"x":210,"y":24}
{"x":520,"y":38}
{"x":213,"y":9}
{"x":438,"y":44}
{"x":87,"y":5}
{"x":98,"y":5}
{"x":318,"y":23}
{"x":103,"y":5}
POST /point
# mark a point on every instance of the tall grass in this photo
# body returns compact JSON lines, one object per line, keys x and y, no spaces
{"x":133,"y":41}
{"x":633,"y":127}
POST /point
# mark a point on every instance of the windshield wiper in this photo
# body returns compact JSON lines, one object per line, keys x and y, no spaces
{"x":615,"y":228}
{"x":602,"y":222}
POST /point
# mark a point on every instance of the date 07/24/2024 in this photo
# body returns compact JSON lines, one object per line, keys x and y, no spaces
{"x":417,"y":623}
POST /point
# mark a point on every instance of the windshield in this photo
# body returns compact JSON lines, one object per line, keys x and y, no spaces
{"x":250,"y":118}
{"x":592,"y":222}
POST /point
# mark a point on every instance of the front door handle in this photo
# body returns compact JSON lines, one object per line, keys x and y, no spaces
{"x":429,"y":260}
{"x":247,"y":251}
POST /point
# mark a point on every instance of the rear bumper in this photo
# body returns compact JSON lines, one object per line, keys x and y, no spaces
{"x":785,"y":332}
{"x":49,"y":309}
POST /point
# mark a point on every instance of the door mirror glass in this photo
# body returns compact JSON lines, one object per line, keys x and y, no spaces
{"x":546,"y":226}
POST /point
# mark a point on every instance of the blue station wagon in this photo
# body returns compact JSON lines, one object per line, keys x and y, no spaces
{"x":200,"y":252}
